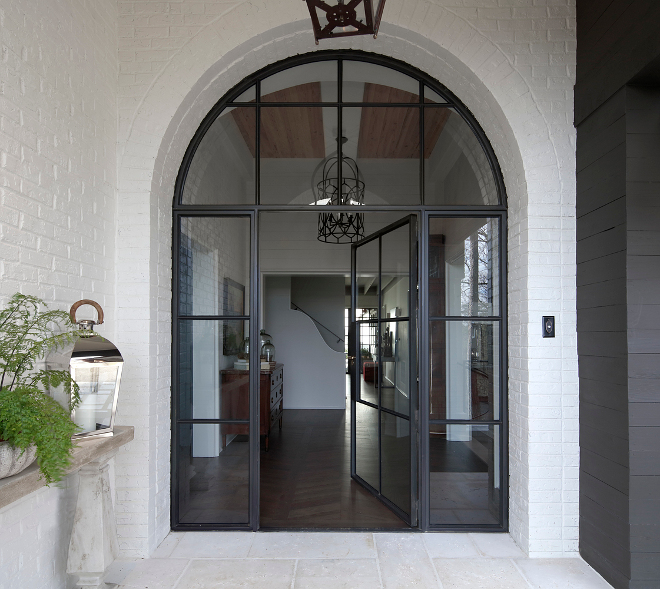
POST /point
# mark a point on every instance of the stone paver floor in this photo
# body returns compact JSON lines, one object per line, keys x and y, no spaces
{"x":353,"y":560}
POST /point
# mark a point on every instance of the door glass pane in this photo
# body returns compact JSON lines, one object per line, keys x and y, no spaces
{"x":367,"y":275}
{"x":212,"y":382}
{"x":311,"y":82}
{"x":368,"y":374}
{"x":395,"y":366}
{"x":464,"y":267}
{"x":213,"y":481}
{"x":249,"y":95}
{"x":395,"y":444}
{"x":295,"y":142}
{"x":384,"y":141}
{"x":366,"y":444}
{"x":433,"y":97}
{"x":368,"y":82}
{"x":222,"y":169}
{"x":465,"y":475}
{"x":395,"y":273}
{"x":465,"y":373}
{"x":456,"y":168}
{"x":214,"y":266}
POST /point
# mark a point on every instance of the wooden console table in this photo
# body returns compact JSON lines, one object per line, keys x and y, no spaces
{"x":235,"y":400}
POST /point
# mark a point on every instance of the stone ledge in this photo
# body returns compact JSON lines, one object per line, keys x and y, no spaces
{"x":85,"y":450}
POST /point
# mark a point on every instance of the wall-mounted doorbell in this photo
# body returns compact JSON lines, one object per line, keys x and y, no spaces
{"x":549,"y":326}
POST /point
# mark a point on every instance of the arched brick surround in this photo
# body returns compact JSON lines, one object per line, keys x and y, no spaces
{"x":534,"y":143}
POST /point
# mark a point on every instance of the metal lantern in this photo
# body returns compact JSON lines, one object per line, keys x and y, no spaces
{"x":344,"y":18}
{"x":96,"y":366}
{"x":340,"y":188}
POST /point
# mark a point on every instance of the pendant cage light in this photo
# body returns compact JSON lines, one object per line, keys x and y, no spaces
{"x":344,"y":18}
{"x":340,"y":227}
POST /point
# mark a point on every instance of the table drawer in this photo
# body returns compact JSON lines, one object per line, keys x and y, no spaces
{"x":275,"y":413}
{"x":276,"y":395}
{"x":276,"y":378}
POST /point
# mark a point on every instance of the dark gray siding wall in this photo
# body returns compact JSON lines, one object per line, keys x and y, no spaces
{"x":602,"y":341}
{"x":618,"y":303}
{"x":643,"y":285}
{"x":617,"y":115}
{"x":616,"y":41}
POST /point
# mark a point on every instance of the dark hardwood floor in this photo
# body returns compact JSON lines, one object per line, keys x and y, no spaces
{"x":306,"y":479}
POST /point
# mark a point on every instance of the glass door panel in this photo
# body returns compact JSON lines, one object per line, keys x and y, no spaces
{"x":395,"y":363}
{"x":384,"y":459}
{"x":211,"y":411}
{"x":367,"y":457}
{"x":466,"y":404}
{"x":368,"y":377}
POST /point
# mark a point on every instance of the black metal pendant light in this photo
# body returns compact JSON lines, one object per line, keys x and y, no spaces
{"x":340,"y":187}
{"x":344,"y":18}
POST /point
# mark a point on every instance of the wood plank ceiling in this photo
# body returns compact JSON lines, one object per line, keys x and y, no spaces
{"x":297,"y":131}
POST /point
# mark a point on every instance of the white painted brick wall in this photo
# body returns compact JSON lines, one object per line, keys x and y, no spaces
{"x":58,"y":121}
{"x":177,"y":59}
{"x":511,"y":62}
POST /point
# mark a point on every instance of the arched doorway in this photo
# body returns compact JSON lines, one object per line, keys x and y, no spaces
{"x":420,"y":265}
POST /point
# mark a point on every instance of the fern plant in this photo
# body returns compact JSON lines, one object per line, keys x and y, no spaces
{"x":28,"y":414}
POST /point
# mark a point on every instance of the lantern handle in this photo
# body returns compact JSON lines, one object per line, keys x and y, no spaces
{"x":76,"y":305}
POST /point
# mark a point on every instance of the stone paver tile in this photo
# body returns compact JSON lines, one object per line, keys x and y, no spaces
{"x":450,"y":545}
{"x":558,"y":573}
{"x":214,"y":545}
{"x":337,"y":574}
{"x":165,"y":548}
{"x":157,"y":573}
{"x":313,"y":545}
{"x":404,"y":562}
{"x":119,"y":570}
{"x":497,"y":545}
{"x":479,"y":573}
{"x":238,"y":574}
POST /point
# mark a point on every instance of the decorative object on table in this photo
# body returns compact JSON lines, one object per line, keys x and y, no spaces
{"x":268,"y":351}
{"x":31,"y":421}
{"x":340,"y":186}
{"x":242,"y":364}
{"x":96,"y":365}
{"x":264,"y":338}
{"x":344,"y":18}
{"x":233,"y":331}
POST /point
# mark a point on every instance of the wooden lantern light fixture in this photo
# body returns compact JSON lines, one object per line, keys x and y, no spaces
{"x":344,"y":18}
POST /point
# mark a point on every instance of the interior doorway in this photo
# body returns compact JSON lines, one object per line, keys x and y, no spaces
{"x":308,"y":472}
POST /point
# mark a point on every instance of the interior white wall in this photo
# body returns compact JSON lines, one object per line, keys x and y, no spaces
{"x":314,"y":374}
{"x":322,"y":297}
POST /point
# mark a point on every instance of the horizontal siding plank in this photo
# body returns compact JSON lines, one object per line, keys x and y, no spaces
{"x":610,"y":473}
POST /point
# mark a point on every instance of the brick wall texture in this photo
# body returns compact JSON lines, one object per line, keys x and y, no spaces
{"x":98,"y":102}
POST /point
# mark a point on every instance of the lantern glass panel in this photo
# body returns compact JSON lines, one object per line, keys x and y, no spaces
{"x":98,"y":383}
